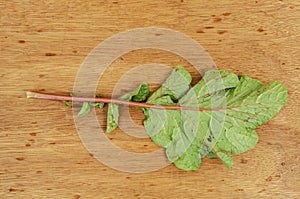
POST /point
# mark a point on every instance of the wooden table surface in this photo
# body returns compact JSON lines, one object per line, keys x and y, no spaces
{"x":42,"y":46}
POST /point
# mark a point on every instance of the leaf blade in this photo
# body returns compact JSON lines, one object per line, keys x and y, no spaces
{"x":138,"y":95}
{"x":112,"y":117}
{"x":238,"y":105}
{"x":85,"y":109}
{"x":175,"y":86}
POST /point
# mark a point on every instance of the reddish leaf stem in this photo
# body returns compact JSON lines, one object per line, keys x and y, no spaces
{"x":46,"y":96}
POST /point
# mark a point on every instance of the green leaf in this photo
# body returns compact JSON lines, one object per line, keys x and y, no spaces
{"x":162,"y":125}
{"x":67,"y":104}
{"x":234,"y":107}
{"x":236,"y":140}
{"x":139,"y":94}
{"x":97,"y":104}
{"x":213,"y":82}
{"x":112,"y":117}
{"x":86,"y":106}
{"x":190,"y":160}
{"x":175,"y":86}
{"x":85,"y":109}
{"x":226,"y":158}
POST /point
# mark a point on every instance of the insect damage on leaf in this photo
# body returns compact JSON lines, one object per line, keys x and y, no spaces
{"x":215,"y":118}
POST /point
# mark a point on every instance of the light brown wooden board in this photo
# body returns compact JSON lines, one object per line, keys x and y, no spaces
{"x":42,"y":46}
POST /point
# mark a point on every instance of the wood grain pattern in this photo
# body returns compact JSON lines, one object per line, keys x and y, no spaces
{"x":42,"y":46}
